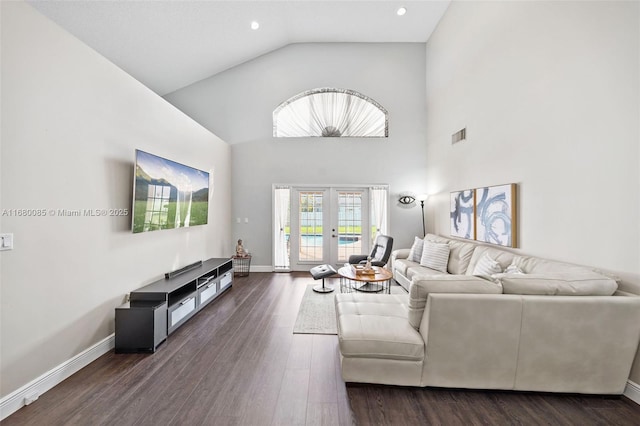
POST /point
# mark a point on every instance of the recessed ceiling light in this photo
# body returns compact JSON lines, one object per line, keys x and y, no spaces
{"x":255,"y":25}
{"x":401,"y":11}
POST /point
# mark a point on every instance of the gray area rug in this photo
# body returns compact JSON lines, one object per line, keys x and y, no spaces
{"x":317,"y":313}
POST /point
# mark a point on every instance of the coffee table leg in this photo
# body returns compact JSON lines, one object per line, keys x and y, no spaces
{"x":370,"y":287}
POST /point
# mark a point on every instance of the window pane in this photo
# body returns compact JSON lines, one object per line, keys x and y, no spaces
{"x":310,"y":231}
{"x":328,"y":112}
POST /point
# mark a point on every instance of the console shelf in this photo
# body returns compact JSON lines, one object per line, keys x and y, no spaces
{"x":158,"y":309}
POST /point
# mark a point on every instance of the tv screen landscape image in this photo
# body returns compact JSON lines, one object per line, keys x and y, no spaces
{"x":167,"y":194}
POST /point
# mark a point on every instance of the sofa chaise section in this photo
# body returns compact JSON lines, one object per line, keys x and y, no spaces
{"x":376,"y":340}
{"x":578,"y":344}
{"x":555,"y":328}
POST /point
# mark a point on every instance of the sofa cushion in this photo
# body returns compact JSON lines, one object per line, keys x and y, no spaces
{"x":513,"y":269}
{"x":376,"y":326}
{"x":418,"y":271}
{"x":487,"y":266}
{"x":504,"y":258}
{"x":370,"y":304}
{"x":537,"y":265}
{"x":415,"y":254}
{"x":421,"y":288}
{"x":577,"y":283}
{"x":402,"y":265}
{"x":435,"y":255}
{"x":460,"y":253}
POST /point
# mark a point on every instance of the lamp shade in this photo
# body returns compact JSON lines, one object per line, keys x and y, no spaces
{"x":422,"y":197}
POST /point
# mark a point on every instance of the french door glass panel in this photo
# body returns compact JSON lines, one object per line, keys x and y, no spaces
{"x":350,"y":224}
{"x":328,"y":225}
{"x":310,"y":226}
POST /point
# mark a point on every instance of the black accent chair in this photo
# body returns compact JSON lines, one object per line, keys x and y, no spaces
{"x":379,"y":254}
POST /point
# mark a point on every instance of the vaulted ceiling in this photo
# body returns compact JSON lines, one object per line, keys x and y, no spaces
{"x":168,"y":45}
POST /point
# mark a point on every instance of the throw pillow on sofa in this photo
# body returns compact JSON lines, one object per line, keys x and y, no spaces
{"x":487,"y":266}
{"x":435,"y":255}
{"x":513,"y":269}
{"x":415,"y":254}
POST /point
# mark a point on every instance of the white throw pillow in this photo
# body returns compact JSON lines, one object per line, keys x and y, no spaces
{"x":487,"y":266}
{"x":513,"y":269}
{"x":435,"y":255}
{"x":415,"y":254}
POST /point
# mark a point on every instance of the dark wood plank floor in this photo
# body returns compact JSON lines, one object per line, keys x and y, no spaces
{"x":238,"y":363}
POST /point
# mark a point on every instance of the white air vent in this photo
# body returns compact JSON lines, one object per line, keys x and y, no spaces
{"x":458,"y":136}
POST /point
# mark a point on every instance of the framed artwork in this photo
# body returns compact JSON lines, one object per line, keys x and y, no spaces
{"x":495,"y":209}
{"x":461,"y":214}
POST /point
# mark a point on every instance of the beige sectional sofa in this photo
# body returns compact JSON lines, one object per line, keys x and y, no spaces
{"x":550,"y":326}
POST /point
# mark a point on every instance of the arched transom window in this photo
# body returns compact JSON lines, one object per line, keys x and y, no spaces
{"x":328,"y":112}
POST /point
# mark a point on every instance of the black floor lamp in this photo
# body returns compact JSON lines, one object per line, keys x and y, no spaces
{"x":422,"y":198}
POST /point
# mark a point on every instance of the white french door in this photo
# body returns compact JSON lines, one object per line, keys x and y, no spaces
{"x":328,"y":224}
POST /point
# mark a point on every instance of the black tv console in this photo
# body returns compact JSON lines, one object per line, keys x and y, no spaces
{"x":158,"y":309}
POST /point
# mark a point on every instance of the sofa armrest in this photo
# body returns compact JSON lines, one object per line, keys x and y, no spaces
{"x":400,"y":254}
{"x":424,"y":285}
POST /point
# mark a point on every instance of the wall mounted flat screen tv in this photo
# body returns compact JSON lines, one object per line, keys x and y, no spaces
{"x":167,"y":194}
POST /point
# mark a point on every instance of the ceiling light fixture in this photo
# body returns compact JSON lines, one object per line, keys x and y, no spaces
{"x":255,"y":25}
{"x":401,"y":11}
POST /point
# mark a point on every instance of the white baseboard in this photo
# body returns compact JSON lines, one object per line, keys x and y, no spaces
{"x":632,"y":391}
{"x":261,"y":268}
{"x":16,"y":400}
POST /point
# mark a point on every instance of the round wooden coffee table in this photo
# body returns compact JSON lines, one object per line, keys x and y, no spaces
{"x":350,"y":281}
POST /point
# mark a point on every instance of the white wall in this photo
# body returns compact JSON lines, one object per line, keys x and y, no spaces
{"x":549,"y":93}
{"x":71,"y":121}
{"x":238,"y":105}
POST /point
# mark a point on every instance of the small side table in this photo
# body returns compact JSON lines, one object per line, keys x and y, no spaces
{"x":241,"y":265}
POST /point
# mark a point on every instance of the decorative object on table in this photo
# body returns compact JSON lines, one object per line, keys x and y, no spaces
{"x":240,"y":251}
{"x":495,"y":214}
{"x":367,"y":266}
{"x":461,"y":214}
{"x":361,"y":269}
{"x":422,"y":198}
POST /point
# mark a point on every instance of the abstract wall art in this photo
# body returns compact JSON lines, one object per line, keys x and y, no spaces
{"x":495,"y":209}
{"x":461,"y":214}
